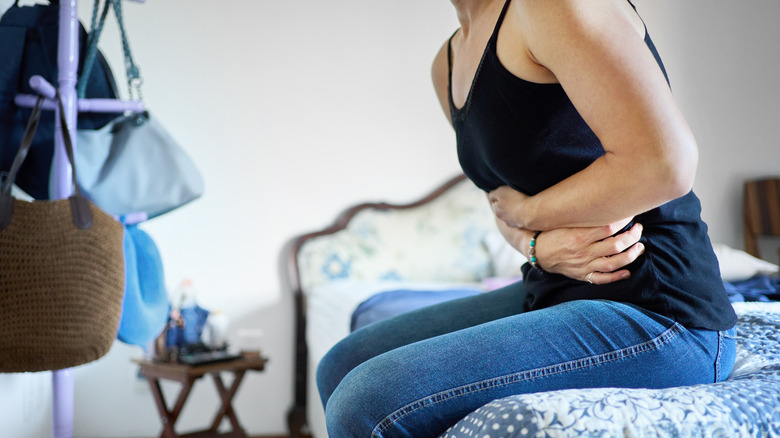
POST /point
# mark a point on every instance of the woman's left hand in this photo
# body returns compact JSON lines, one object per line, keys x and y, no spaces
{"x":505,"y":202}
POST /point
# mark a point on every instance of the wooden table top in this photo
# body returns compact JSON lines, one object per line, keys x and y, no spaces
{"x":183,"y":372}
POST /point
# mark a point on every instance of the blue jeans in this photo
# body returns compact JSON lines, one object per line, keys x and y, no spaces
{"x":418,"y":373}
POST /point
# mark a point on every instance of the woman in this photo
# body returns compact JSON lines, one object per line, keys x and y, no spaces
{"x":564,"y":116}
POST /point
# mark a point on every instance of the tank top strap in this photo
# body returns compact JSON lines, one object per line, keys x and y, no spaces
{"x":492,"y":40}
{"x":494,"y":36}
{"x":449,"y":54}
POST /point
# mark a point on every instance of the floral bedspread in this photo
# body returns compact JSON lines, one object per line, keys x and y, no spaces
{"x":747,"y":404}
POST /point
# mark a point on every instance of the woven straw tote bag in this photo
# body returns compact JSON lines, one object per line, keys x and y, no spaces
{"x":61,"y":274}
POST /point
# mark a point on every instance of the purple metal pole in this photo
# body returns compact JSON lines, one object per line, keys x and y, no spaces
{"x":67,"y":62}
{"x":62,"y":403}
{"x":43,"y":87}
{"x":84,"y":105}
{"x":61,"y":176}
{"x":110,"y":106}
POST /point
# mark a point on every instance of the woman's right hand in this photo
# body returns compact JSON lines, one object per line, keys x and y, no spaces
{"x":581,"y":252}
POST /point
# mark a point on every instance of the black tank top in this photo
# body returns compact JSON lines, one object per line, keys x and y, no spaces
{"x":529,"y":136}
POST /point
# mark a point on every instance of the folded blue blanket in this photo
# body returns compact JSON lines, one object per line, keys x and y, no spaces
{"x":762,"y":288}
{"x":395,"y":302}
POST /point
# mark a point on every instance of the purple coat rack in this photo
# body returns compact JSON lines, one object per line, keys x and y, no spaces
{"x":61,"y":185}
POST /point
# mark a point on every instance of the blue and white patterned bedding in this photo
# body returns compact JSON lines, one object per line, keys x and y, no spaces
{"x":747,"y":404}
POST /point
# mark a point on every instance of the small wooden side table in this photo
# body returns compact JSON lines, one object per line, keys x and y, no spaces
{"x":187,"y":375}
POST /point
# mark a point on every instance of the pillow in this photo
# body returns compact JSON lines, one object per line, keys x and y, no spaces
{"x":738,"y":265}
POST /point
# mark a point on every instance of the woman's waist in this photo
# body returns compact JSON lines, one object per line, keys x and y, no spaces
{"x":678,"y":261}
{"x":666,"y":257}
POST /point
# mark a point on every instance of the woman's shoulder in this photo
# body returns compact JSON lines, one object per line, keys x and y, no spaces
{"x":572,"y":15}
{"x":556,"y":32}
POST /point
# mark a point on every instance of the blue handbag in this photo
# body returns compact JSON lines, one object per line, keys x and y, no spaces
{"x":132,"y":165}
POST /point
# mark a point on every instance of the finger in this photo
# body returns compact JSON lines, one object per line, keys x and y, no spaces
{"x":599,"y":233}
{"x":608,"y":277}
{"x":499,"y":213}
{"x":619,"y":225}
{"x":618,"y":261}
{"x":615,"y":245}
{"x":494,"y":194}
{"x":514,"y":236}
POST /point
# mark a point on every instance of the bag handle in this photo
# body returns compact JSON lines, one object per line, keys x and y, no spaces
{"x":79,"y":206}
{"x":134,"y":80}
{"x":24,"y":147}
{"x":6,"y":201}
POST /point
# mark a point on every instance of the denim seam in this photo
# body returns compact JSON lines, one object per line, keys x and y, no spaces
{"x":509,"y":379}
{"x":717,"y":356}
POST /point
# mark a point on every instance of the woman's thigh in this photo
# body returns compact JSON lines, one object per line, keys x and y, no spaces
{"x":422,"y":388}
{"x":382,"y":336}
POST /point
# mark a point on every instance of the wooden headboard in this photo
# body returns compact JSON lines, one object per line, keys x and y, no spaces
{"x":762,"y":212}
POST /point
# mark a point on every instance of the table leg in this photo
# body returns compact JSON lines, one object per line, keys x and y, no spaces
{"x":169,"y":417}
{"x":227,"y":408}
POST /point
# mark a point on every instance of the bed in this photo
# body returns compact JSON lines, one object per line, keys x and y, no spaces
{"x":378,"y":260}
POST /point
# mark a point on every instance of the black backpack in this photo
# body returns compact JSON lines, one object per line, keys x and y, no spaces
{"x":28,"y":46}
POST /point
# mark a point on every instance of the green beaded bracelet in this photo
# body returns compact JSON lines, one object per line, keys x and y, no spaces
{"x":532,"y":251}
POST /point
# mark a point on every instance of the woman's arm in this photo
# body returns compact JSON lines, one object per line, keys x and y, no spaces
{"x":573,"y":252}
{"x":606,"y":69}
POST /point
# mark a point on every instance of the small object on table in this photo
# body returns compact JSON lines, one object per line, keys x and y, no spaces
{"x":187,"y":375}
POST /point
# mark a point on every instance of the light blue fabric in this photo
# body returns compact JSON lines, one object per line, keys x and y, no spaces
{"x":145,"y":306}
{"x":416,"y":374}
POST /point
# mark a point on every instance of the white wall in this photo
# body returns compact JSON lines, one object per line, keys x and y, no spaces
{"x":295,"y":110}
